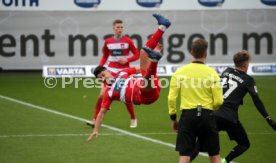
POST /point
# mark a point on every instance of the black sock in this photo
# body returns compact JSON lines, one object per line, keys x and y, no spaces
{"x":235,"y":152}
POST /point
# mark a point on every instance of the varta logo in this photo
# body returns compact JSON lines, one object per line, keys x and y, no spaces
{"x":211,"y":3}
{"x":149,"y":3}
{"x":67,"y":71}
{"x":269,"y":2}
{"x":87,"y":3}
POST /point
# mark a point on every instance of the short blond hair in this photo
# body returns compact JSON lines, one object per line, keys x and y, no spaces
{"x":117,"y":21}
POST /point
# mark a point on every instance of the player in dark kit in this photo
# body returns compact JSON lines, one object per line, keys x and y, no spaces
{"x":236,"y":83}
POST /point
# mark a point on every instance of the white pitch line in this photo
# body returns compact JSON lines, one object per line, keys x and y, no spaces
{"x":101,"y":134}
{"x":65,"y":135}
{"x":41,"y":135}
{"x":87,"y":134}
{"x":84,"y":120}
{"x":58,"y":135}
{"x":68,"y":135}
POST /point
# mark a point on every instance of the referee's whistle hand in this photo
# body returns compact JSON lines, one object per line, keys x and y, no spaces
{"x":175,"y":126}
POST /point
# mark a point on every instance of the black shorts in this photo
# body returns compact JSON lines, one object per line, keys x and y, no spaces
{"x":235,"y":131}
{"x":202,"y":128}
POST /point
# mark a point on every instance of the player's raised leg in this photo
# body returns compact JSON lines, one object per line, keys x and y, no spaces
{"x":154,"y":56}
{"x":163,"y":23}
{"x":150,"y":90}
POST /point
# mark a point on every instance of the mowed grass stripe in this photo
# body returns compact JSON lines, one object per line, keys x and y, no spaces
{"x":121,"y":132}
{"x":84,"y":120}
{"x":17,"y":119}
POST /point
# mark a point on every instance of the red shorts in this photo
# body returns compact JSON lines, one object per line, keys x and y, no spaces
{"x":149,"y":97}
{"x":144,"y":96}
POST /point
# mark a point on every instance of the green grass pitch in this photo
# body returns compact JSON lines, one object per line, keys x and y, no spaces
{"x":29,"y":134}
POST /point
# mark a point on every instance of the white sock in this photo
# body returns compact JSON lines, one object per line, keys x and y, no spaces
{"x":162,"y":27}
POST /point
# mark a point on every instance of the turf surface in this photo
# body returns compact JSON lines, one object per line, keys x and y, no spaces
{"x":28,"y":134}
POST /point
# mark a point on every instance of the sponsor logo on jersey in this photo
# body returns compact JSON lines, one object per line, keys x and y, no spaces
{"x":269,"y":2}
{"x":87,"y":3}
{"x":211,"y":3}
{"x":149,"y":3}
{"x":113,"y":46}
{"x":117,"y":52}
{"x":59,"y":71}
{"x":122,"y":46}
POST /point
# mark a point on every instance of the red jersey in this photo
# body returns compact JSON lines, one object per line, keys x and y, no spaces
{"x":123,"y":88}
{"x":114,"y":49}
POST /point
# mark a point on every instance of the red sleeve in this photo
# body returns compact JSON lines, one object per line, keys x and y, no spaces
{"x":130,"y":71}
{"x":105,"y":54}
{"x":134,"y":51}
{"x":106,"y":101}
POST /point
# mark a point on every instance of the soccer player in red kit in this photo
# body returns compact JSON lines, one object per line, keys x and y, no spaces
{"x":128,"y":89}
{"x":116,"y":51}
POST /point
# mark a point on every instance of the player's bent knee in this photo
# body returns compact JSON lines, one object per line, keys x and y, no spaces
{"x":244,"y":148}
{"x":245,"y":145}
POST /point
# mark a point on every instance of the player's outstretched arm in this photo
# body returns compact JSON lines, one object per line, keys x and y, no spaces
{"x":135,"y":52}
{"x":98,"y":124}
{"x":105,"y":55}
{"x":261,"y":108}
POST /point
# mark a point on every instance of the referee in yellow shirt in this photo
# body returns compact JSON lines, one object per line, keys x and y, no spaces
{"x":201,"y":95}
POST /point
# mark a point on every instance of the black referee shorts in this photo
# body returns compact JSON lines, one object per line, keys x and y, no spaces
{"x":235,"y":131}
{"x":202,"y":128}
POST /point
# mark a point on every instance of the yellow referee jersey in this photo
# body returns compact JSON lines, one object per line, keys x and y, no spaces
{"x":198,"y":84}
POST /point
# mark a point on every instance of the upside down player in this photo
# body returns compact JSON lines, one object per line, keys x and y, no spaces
{"x":116,"y":50}
{"x":123,"y":87}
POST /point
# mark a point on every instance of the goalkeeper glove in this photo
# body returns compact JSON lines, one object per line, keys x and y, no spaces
{"x":271,"y":122}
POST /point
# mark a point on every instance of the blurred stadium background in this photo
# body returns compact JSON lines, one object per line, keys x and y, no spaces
{"x":43,"y":39}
